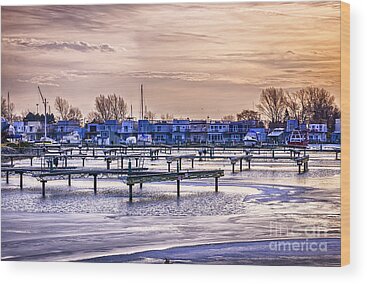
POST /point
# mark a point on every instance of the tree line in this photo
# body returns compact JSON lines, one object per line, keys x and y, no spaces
{"x":276,"y":105}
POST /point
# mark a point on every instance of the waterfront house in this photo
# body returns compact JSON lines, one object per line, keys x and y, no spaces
{"x":106,"y":133}
{"x":129,"y":128}
{"x":162,"y":132}
{"x":336,"y":135}
{"x":277,"y":136}
{"x":180,"y":130}
{"x":144,"y":131}
{"x":34,"y":130}
{"x":292,"y":124}
{"x":318,"y":132}
{"x":218,"y":132}
{"x":198,"y":131}
{"x":239,"y":129}
{"x":65,"y":128}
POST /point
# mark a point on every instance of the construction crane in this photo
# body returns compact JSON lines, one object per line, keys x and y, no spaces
{"x":44,"y":101}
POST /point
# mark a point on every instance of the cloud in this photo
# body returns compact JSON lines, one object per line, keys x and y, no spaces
{"x":185,"y":76}
{"x":46,"y":79}
{"x":81,"y":46}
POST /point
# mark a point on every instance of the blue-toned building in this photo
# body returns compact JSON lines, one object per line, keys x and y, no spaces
{"x":65,"y":127}
{"x":181,"y":131}
{"x":106,"y":133}
{"x":198,"y":131}
{"x":218,"y":132}
{"x":129,"y":128}
{"x":162,"y":132}
{"x":336,"y":135}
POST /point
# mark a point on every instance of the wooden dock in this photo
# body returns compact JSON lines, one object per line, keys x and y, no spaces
{"x":133,"y":179}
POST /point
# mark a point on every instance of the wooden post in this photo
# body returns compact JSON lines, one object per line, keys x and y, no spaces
{"x":69,"y":180}
{"x":216,"y":184}
{"x":178,"y":188}
{"x":108,"y":160}
{"x":169,"y":166}
{"x":83,"y":159}
{"x":31,"y":161}
{"x":130,"y":193}
{"x":273,"y":154}
{"x":11,"y":161}
{"x":305,"y":166}
{"x":240,"y":165}
{"x":249,"y":163}
{"x":122,"y":162}
{"x":180,"y":163}
{"x":136,"y":162}
{"x":43,"y":188}
{"x":141,"y":185}
{"x":21,"y":180}
{"x":192,"y":163}
{"x":299,"y":168}
{"x":129,"y":169}
{"x":95,"y":183}
{"x":66,"y":161}
{"x":7,"y":177}
{"x":233,"y":168}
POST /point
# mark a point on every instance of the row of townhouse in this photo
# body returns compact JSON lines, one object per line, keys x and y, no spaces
{"x":316,"y":132}
{"x":35,"y":130}
{"x":190,"y":131}
{"x":173,"y":132}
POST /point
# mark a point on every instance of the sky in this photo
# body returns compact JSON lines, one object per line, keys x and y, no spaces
{"x":194,"y":60}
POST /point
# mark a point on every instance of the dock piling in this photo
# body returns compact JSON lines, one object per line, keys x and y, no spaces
{"x":69,"y":180}
{"x":43,"y":188}
{"x":169,"y":166}
{"x":178,"y":188}
{"x":7,"y":177}
{"x":130,"y":193}
{"x":21,"y":180}
{"x":216,"y":184}
{"x":95,"y":184}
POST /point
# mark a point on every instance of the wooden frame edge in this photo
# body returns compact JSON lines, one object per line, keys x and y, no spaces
{"x":345,"y":132}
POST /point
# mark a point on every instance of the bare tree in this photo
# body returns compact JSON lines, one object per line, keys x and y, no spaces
{"x":167,"y":116}
{"x":118,"y":107}
{"x":62,"y":106}
{"x":272,"y":103}
{"x":94,"y":116}
{"x":74,"y":114}
{"x":103,"y":107}
{"x":149,"y":115}
{"x":4,"y":108}
{"x":297,"y":105}
{"x":7,"y":109}
{"x":109,"y":107}
{"x":66,"y":110}
{"x":321,"y":106}
{"x":247,"y":114}
{"x":229,"y":117}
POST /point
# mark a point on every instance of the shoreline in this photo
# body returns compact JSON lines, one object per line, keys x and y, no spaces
{"x":276,"y":252}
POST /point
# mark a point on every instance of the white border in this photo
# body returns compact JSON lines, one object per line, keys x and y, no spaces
{"x":54,"y":273}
